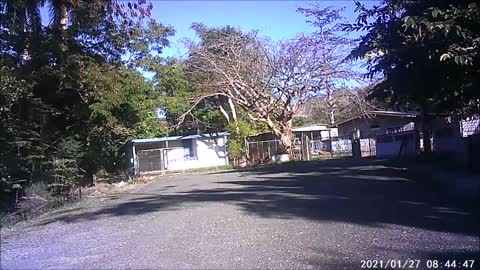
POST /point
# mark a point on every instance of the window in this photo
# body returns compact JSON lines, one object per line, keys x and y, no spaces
{"x":188,"y":150}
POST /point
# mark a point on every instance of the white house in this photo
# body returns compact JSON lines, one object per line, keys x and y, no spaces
{"x":177,"y":153}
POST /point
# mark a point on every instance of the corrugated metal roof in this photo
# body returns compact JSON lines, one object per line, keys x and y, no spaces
{"x":310,"y":128}
{"x":395,"y":113}
{"x":384,"y":113}
{"x":176,"y":138}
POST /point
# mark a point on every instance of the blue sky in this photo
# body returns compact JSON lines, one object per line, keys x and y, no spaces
{"x":275,"y":19}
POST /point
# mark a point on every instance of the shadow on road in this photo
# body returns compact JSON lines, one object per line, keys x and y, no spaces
{"x":364,"y":192}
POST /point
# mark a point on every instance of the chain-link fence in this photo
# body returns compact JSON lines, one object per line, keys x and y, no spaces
{"x":160,"y":159}
{"x":263,"y":151}
{"x":151,"y":160}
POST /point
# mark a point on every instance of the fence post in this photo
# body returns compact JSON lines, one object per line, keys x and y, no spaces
{"x":268,"y":147}
{"x":369,"y":147}
{"x":247,"y":150}
{"x":356,"y":149}
{"x":305,"y":147}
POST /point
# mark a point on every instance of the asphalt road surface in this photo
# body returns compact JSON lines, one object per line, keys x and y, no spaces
{"x":325,"y":215}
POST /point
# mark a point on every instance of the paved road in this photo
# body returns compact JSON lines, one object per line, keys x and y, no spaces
{"x":326,"y":215}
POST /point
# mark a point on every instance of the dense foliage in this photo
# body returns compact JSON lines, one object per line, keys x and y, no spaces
{"x":426,"y":51}
{"x":178,"y":90}
{"x":71,"y":92}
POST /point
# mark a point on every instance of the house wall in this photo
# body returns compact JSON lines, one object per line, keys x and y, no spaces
{"x":333,"y":132}
{"x":208,"y":152}
{"x":371,"y":127}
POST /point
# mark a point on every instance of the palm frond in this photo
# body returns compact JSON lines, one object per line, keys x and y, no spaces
{"x":55,"y":11}
{"x":34,"y":17}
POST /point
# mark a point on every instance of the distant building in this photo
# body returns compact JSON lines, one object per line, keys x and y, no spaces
{"x":177,"y":153}
{"x":373,"y":123}
{"x":380,"y":133}
{"x":316,"y":132}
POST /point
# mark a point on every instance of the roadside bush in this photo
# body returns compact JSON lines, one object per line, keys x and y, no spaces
{"x":238,"y":131}
{"x":39,"y":189}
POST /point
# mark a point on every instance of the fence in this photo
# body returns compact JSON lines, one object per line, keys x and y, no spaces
{"x":151,"y":160}
{"x":368,"y":147}
{"x":341,"y":147}
{"x":318,"y":147}
{"x":262,"y":151}
{"x":160,"y":159}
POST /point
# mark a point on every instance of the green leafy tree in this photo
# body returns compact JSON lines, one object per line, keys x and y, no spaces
{"x":20,"y":146}
{"x":238,"y":132}
{"x":178,"y":91}
{"x":426,"y":53}
{"x":74,"y":95}
{"x":121,"y":106}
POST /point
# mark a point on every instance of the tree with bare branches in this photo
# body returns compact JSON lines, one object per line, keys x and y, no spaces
{"x":269,"y":81}
{"x":339,"y":74}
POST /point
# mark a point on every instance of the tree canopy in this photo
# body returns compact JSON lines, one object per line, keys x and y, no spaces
{"x":72,"y":94}
{"x":425,"y":51}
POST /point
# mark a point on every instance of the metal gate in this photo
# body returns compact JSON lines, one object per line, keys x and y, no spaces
{"x":160,"y":159}
{"x":262,"y":151}
{"x":151,"y":160}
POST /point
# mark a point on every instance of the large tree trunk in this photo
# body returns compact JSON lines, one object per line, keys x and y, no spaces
{"x":63,"y":15}
{"x":286,"y":141}
{"x":234,"y":114}
{"x":22,"y":29}
{"x":284,"y":135}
